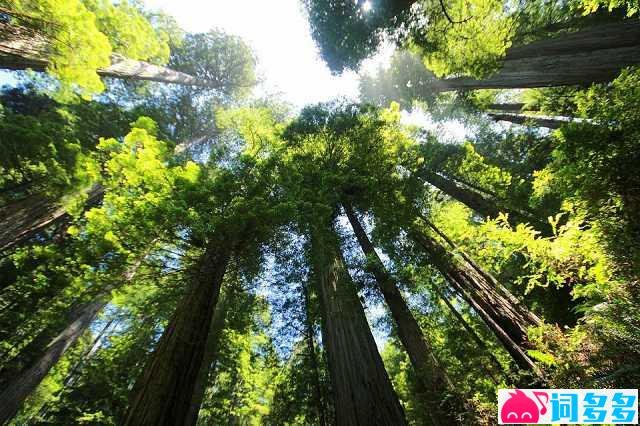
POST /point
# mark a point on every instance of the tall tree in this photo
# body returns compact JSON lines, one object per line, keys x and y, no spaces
{"x":432,"y":377}
{"x":507,"y":318}
{"x":18,"y":388}
{"x":163,"y":393}
{"x":361,"y":387}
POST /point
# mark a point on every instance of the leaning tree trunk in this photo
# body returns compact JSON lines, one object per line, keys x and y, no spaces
{"x":13,"y":396}
{"x":432,"y":377}
{"x":592,"y":55}
{"x":483,"y":205}
{"x":362,"y":390}
{"x":26,"y":218}
{"x":510,"y":107}
{"x":210,"y":355}
{"x":41,"y":357}
{"x":24,"y":48}
{"x":316,"y":388}
{"x":163,"y":393}
{"x":530,"y":120}
{"x":507,"y":318}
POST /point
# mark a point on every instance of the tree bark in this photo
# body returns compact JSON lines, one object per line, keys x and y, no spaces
{"x":593,"y":55}
{"x":18,"y":385}
{"x":164,"y":391}
{"x":13,"y":396}
{"x":26,"y":218}
{"x":482,"y":205}
{"x":362,"y":391}
{"x":210,"y":356}
{"x":530,"y":120}
{"x":24,"y":48}
{"x":512,"y":107}
{"x":507,"y":318}
{"x":319,"y":407}
{"x":429,"y":371}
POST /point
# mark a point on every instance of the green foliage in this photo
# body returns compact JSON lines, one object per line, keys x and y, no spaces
{"x":224,"y":61}
{"x":246,"y":369}
{"x":347,"y":32}
{"x":47,"y":145}
{"x":130,"y":33}
{"x":595,"y":163}
{"x":466,"y":37}
{"x":591,"y":6}
{"x":82,"y":35}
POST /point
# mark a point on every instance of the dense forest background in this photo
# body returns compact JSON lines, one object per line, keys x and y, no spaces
{"x":176,"y":250}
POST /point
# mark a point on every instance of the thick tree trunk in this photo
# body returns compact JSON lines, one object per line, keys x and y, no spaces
{"x":482,"y":205}
{"x":26,"y":218}
{"x":163,"y":393}
{"x":210,"y":356}
{"x":593,"y":55}
{"x":362,"y":391}
{"x":431,"y":375}
{"x":316,"y":388}
{"x":504,"y":315}
{"x":530,"y":120}
{"x":13,"y":396}
{"x":23,"y":48}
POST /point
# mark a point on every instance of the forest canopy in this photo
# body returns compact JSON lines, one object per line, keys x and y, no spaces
{"x":181,"y":244}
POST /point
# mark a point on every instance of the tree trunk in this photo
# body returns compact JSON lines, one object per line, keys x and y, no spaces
{"x":18,"y":385}
{"x":482,"y":205}
{"x":430,"y":374}
{"x":362,"y":390}
{"x":593,"y":55}
{"x":316,"y":388}
{"x":26,"y":218}
{"x":507,"y":318}
{"x":24,"y":48}
{"x":513,"y":107}
{"x":163,"y":393}
{"x":13,"y":396}
{"x":210,"y":355}
{"x":530,"y":120}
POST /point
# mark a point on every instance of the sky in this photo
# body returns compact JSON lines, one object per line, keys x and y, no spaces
{"x":288,"y":60}
{"x":278,"y":32}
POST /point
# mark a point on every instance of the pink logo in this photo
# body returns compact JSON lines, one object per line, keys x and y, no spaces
{"x":519,"y":408}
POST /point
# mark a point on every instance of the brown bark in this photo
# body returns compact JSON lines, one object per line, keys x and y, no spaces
{"x":210,"y":356}
{"x":362,"y":391}
{"x":592,"y":55}
{"x":26,"y":218}
{"x":507,"y":319}
{"x":18,"y":385}
{"x":530,"y":120}
{"x":164,"y":391}
{"x":483,"y":205}
{"x":318,"y":404}
{"x":430,"y":374}
{"x":13,"y":396}
{"x":512,"y":107}
{"x":24,"y":48}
